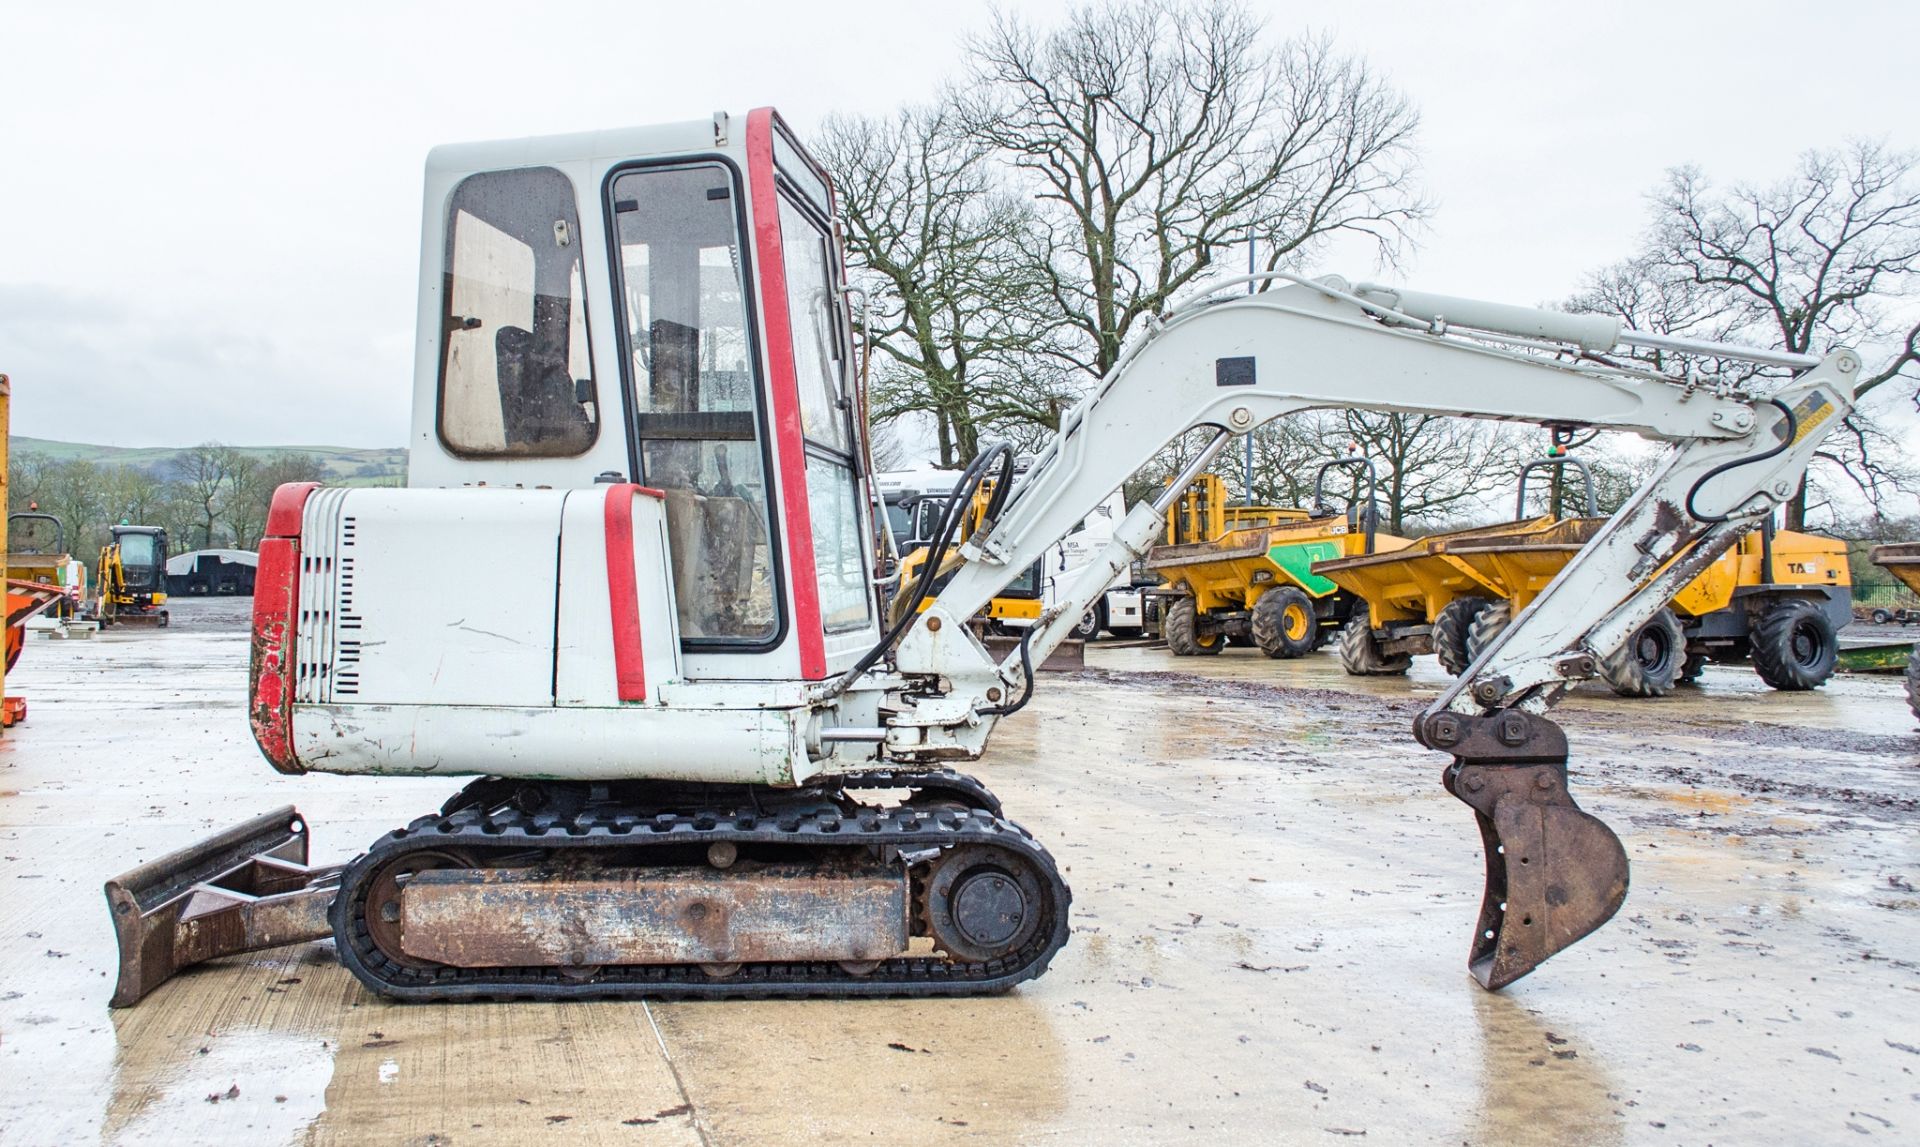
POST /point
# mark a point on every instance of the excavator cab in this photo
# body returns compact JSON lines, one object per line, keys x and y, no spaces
{"x":143,"y":559}
{"x":132,"y":574}
{"x":669,"y":314}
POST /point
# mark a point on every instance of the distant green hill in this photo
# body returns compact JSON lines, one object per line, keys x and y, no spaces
{"x":343,"y":466}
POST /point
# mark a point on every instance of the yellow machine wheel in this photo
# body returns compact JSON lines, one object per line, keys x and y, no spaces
{"x":1283,"y":622}
{"x":1451,"y":629}
{"x":1794,"y":645}
{"x":1360,"y":652}
{"x":1649,"y":662}
{"x":1487,"y":625}
{"x":1182,"y":631}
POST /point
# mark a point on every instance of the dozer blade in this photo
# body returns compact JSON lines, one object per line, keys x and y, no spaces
{"x":1554,"y":872}
{"x":140,"y":620}
{"x":245,"y":889}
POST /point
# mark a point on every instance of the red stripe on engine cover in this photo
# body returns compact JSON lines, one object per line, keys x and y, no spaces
{"x":623,"y":594}
{"x":276,"y":597}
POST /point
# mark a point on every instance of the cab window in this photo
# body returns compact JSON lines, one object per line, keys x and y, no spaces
{"x":819,"y":363}
{"x":516,"y":378}
{"x":696,"y":407}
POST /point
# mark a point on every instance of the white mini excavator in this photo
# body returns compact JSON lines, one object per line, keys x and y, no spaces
{"x":631,"y":592}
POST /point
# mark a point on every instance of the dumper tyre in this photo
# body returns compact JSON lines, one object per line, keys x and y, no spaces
{"x":1489,"y":624}
{"x":1283,"y":624}
{"x":1795,"y":646}
{"x":1451,"y":628}
{"x":1182,"y":630}
{"x":1882,"y":616}
{"x":1360,"y":653}
{"x":1648,"y":663}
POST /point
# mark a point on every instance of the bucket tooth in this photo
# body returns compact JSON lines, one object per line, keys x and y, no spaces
{"x":246,"y":889}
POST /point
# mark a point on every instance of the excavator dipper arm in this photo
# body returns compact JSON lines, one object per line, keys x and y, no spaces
{"x":1554,"y":872}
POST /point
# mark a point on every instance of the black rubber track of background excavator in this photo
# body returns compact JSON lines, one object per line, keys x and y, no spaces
{"x":768,"y":817}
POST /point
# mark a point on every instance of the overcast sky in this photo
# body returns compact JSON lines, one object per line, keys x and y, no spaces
{"x":209,"y":213}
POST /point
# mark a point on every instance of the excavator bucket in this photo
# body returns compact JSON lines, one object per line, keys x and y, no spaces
{"x":245,"y":889}
{"x":1554,"y":871}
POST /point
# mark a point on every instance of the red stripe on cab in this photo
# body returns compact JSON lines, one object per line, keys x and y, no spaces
{"x":789,"y":447}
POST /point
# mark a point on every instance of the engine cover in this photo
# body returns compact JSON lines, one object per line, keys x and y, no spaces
{"x":502,"y":632}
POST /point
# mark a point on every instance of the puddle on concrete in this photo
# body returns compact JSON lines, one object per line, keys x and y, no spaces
{"x":254,"y":1087}
{"x":1539,"y":1085}
{"x":900,"y":1071}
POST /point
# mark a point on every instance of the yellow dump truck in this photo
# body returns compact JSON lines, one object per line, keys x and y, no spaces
{"x":37,"y":552}
{"x":1420,"y":599}
{"x":1778,"y":599}
{"x":1902,"y":560}
{"x":1417,"y":599}
{"x":1246,"y":572}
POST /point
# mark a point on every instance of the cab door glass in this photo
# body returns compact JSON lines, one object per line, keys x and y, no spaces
{"x":696,"y":406}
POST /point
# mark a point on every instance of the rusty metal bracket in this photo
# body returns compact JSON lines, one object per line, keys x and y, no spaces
{"x":245,"y":889}
{"x":1554,"y":872}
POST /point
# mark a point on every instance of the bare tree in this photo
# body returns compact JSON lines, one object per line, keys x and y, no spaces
{"x":939,"y":245}
{"x":134,"y":494}
{"x":206,"y":473}
{"x":253,"y":482}
{"x":1824,"y":257}
{"x":1155,"y":135}
{"x":1432,"y":469}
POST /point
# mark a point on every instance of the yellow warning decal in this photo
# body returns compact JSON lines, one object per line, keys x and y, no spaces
{"x":1811,"y":411}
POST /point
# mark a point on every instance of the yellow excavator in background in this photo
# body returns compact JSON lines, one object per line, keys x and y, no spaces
{"x":132,"y":576}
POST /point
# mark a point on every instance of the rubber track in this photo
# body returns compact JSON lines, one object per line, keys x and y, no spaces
{"x":507,"y":830}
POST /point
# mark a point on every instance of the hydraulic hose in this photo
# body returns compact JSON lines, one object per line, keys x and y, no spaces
{"x":1793,"y":428}
{"x":1026,"y":670}
{"x":950,"y":520}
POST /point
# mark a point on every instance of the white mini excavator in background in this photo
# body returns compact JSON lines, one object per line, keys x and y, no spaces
{"x":658,"y":645}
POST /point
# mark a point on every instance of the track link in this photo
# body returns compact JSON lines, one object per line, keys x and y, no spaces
{"x":819,"y":822}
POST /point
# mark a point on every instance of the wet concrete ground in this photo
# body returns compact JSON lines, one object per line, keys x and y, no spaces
{"x":1272,"y":904}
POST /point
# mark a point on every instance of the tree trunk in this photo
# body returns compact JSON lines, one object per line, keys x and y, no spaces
{"x":1797,"y":507}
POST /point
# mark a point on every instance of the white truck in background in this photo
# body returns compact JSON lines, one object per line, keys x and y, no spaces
{"x":913,"y":498}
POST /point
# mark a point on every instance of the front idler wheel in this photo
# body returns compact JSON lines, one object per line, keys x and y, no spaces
{"x":982,"y":904}
{"x":383,"y":905}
